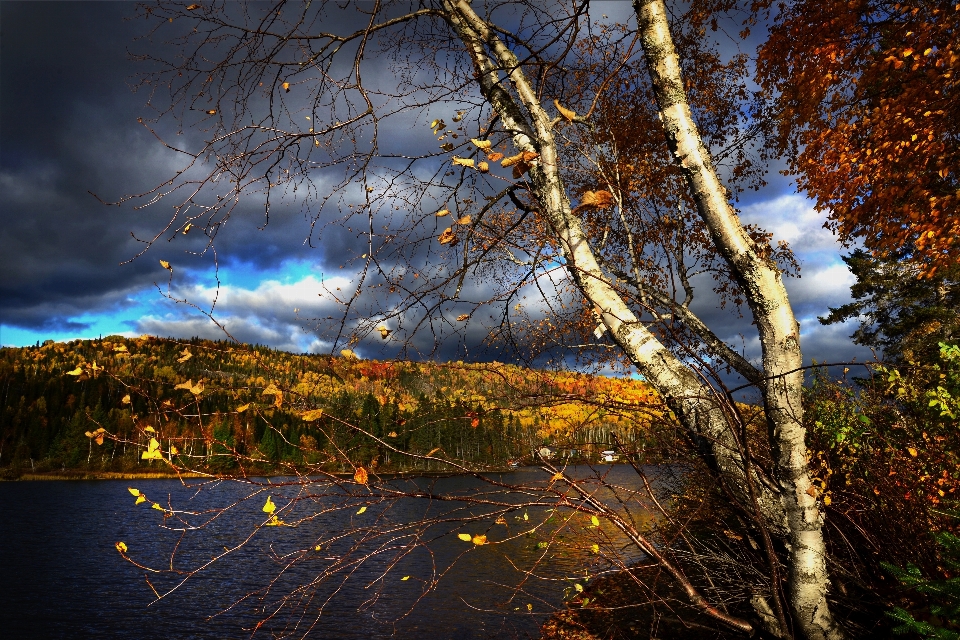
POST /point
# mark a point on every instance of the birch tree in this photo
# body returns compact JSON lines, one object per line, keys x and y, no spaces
{"x":283,"y":99}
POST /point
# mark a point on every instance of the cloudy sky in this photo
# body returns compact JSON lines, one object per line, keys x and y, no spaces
{"x":68,"y":128}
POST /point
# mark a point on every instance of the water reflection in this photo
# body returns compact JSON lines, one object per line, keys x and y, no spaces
{"x":398,"y":569}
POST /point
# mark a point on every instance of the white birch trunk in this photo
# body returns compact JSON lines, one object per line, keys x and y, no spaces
{"x":779,"y":332}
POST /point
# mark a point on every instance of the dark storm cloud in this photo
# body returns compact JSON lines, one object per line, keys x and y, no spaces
{"x":70,"y":126}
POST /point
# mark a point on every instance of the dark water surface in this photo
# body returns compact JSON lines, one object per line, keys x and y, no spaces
{"x":61,"y":576}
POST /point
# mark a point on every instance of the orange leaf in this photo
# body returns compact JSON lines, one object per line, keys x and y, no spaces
{"x":360,"y":476}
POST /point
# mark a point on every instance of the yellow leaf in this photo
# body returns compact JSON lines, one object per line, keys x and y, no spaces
{"x":186,"y":356}
{"x":494,"y":156}
{"x":578,"y":587}
{"x":89,"y":434}
{"x":596,"y":199}
{"x":479,"y":540}
{"x":501,"y":520}
{"x":157,"y":506}
{"x":595,"y":548}
{"x":481,"y":144}
{"x":75,"y":372}
{"x":133,"y":492}
{"x":392,"y":434}
{"x":433,"y":451}
{"x":189,"y":226}
{"x":525,"y":516}
{"x":125,"y":399}
{"x":243,"y":408}
{"x":318,"y":548}
{"x":360,"y":476}
{"x":827,"y":500}
{"x":512,"y":160}
{"x":268,"y":506}
{"x":149,"y":430}
{"x":466,"y":537}
{"x":286,"y":87}
{"x":185,"y":385}
{"x":151,"y":455}
{"x":121,"y":547}
{"x":274,"y":521}
{"x":193,"y":7}
{"x":140,"y":499}
{"x":448,"y":237}
{"x":567,"y":114}
{"x":595,"y":521}
{"x":404,"y":578}
{"x":362,"y":509}
{"x":347,"y":353}
{"x":463,"y":316}
{"x":121,"y":348}
{"x":556,"y":476}
{"x":464,"y":220}
{"x":211,"y":112}
{"x":443,"y":212}
{"x":174,"y":450}
{"x":463,"y":162}
{"x":310,"y":416}
{"x":166,"y":265}
{"x":529,"y":607}
{"x":384,"y":332}
{"x":912,"y":451}
{"x":99,"y":439}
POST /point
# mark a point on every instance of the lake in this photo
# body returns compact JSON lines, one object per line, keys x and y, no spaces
{"x":61,"y":575}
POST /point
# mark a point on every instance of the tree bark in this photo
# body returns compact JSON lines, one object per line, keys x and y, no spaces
{"x":779,"y":331}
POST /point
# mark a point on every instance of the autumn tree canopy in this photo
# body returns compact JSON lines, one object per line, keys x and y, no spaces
{"x":867,"y":110}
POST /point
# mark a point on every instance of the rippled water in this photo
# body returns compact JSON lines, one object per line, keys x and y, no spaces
{"x":61,"y":576}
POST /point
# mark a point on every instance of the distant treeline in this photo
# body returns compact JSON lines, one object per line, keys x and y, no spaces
{"x":239,"y":408}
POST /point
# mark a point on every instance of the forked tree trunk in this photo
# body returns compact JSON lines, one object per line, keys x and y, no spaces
{"x":787,"y":509}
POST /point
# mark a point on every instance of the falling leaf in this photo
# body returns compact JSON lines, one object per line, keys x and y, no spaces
{"x":500,"y":520}
{"x":433,"y":125}
{"x":268,"y":506}
{"x":567,"y":114}
{"x":125,"y":399}
{"x":529,"y":607}
{"x":483,"y":167}
{"x":595,"y":521}
{"x":494,"y":156}
{"x":479,"y":540}
{"x":595,"y":548}
{"x":912,"y":452}
{"x":192,"y":7}
{"x":556,"y":476}
{"x":525,"y":516}
{"x":466,"y":537}
{"x":448,"y":237}
{"x":360,"y":476}
{"x":75,"y":372}
{"x":392,"y":434}
{"x":463,"y":316}
{"x":384,"y":332}
{"x":185,"y":356}
{"x":318,"y":548}
{"x":286,"y":87}
{"x":121,"y":547}
{"x":465,"y":220}
{"x":311,"y":415}
{"x":443,"y":212}
{"x":166,"y":265}
{"x":362,"y":509}
{"x":578,"y":587}
{"x":173,"y":450}
{"x":463,"y":162}
{"x":211,"y":112}
{"x":243,"y":408}
{"x":827,"y":500}
{"x":404,"y":578}
{"x":133,"y":492}
{"x":475,"y":423}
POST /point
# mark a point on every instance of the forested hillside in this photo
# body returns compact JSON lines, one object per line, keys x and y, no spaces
{"x":215,"y":406}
